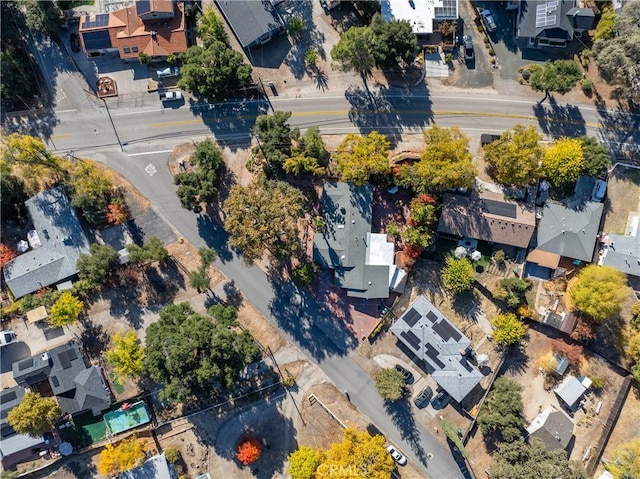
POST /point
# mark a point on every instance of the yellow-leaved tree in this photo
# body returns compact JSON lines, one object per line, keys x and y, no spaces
{"x":563,"y":161}
{"x":122,"y":457}
{"x":599,"y":292}
{"x":34,"y":415}
{"x":359,"y":455}
{"x":65,"y":311}
{"x":627,"y":460}
{"x":361,"y":156}
{"x":304,"y":463}
{"x":127,"y":355}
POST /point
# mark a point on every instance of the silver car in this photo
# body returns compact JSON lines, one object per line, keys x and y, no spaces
{"x":467,"y":44}
{"x":488,"y":20}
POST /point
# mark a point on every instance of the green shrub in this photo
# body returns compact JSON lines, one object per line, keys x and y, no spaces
{"x":587,"y":86}
{"x":499,"y":256}
{"x":596,"y":382}
{"x":172,"y":454}
{"x":635,"y":319}
{"x":303,"y":274}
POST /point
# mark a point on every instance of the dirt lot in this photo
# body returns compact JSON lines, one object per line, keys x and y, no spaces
{"x":537,"y":394}
{"x":623,"y":198}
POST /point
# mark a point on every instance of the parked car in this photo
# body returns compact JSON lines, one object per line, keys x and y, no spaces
{"x":599,"y":189}
{"x":487,"y":138}
{"x":488,"y":20}
{"x":406,"y":375}
{"x":7,"y":337}
{"x":171,"y":95}
{"x":397,"y":455}
{"x":441,"y":400}
{"x":424,"y":397}
{"x":168,"y":72}
{"x":467,"y":45}
{"x":373,"y":431}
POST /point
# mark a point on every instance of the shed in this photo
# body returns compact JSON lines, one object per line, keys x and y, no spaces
{"x":36,"y":315}
{"x":571,"y":390}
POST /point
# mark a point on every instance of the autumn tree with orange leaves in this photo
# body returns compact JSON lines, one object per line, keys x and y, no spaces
{"x":249,"y":450}
{"x":6,"y":254}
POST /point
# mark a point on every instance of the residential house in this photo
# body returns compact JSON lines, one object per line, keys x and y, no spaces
{"x":571,"y":390}
{"x":553,"y":427}
{"x":153,"y":27}
{"x":565,"y":231}
{"x":363,"y":262}
{"x":622,"y":252}
{"x":438,"y":347}
{"x":423,"y":15}
{"x":65,"y":373}
{"x":253,"y":23}
{"x":14,"y":447}
{"x":487,"y":216}
{"x":57,"y":241}
{"x":155,"y":467}
{"x":552,"y":23}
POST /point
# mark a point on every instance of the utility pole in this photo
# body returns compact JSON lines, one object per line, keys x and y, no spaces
{"x":270,"y":353}
{"x":112,"y":124}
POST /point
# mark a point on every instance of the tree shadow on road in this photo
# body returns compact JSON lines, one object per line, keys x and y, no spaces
{"x":620,"y":130}
{"x":558,"y":120}
{"x":215,"y":237}
{"x":402,"y":416}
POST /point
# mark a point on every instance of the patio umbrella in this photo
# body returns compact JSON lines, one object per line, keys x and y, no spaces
{"x":483,"y":360}
{"x":65,"y":449}
{"x":476,"y":255}
{"x":460,"y":252}
{"x":23,"y":246}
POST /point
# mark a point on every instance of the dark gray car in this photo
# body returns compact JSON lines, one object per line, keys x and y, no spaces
{"x":424,"y":397}
{"x":467,"y":46}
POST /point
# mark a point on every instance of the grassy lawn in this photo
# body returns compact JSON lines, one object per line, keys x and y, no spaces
{"x":85,"y":430}
{"x":115,"y":381}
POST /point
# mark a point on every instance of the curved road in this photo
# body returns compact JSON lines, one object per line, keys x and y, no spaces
{"x":146,"y":135}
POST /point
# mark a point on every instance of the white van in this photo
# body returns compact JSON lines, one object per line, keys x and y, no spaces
{"x":168,"y":72}
{"x":599,"y":189}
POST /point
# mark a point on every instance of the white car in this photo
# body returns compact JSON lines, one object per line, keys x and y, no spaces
{"x":171,"y":95}
{"x":397,"y":455}
{"x":7,"y":337}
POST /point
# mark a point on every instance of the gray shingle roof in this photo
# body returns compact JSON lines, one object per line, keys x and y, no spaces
{"x":63,"y":241}
{"x":553,"y":19}
{"x":554,"y":428}
{"x":252,"y":21}
{"x":436,"y":341}
{"x":487,"y":216}
{"x":155,"y":467}
{"x":342,"y":245}
{"x":623,"y":255}
{"x":570,"y":232}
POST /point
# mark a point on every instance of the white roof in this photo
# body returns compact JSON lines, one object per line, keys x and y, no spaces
{"x":419,"y":13}
{"x":570,"y":390}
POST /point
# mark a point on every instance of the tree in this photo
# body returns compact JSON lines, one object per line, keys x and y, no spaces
{"x":211,"y":27}
{"x":563,"y":162}
{"x":605,"y":27}
{"x":194,"y":354}
{"x":573,"y":352}
{"x":313,"y":146}
{"x":311,"y":57}
{"x":42,"y":16}
{"x":516,"y":158}
{"x":596,"y":156}
{"x":34,"y":415}
{"x":508,"y":329}
{"x":361,"y":156}
{"x":95,"y":267}
{"x":296,"y":25}
{"x":65,"y":311}
{"x":144,"y":58}
{"x":458,"y":274}
{"x":560,"y":76}
{"x":207,"y":255}
{"x":502,"y":410}
{"x":127,"y":355}
{"x":512,"y":291}
{"x":599,"y":292}
{"x":618,"y":58}
{"x":90,"y":189}
{"x":304,"y":463}
{"x":13,"y":192}
{"x":394,"y":43}
{"x":201,"y":185}
{"x":264,"y":215}
{"x":627,"y":460}
{"x":274,"y":136}
{"x":39,"y":167}
{"x":302,"y":164}
{"x":116,"y":214}
{"x":248,"y":450}
{"x":361,"y":453}
{"x":122,"y":457}
{"x":200,"y":279}
{"x":533,"y":461}
{"x":390,"y":384}
{"x":445,"y":163}
{"x":6,"y":254}
{"x":213,"y":71}
{"x":18,"y":82}
{"x":354,"y":51}
{"x":152,"y":250}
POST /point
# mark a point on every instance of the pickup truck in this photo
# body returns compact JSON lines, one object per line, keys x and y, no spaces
{"x":171,"y":95}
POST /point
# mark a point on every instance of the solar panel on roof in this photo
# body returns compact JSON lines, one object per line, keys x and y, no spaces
{"x":26,"y":364}
{"x":412,"y":339}
{"x":500,"y":208}
{"x":448,"y":9}
{"x":71,"y":353}
{"x":446,"y":331}
{"x":96,"y":40}
{"x":543,"y":14}
{"x":432,"y":354}
{"x":64,"y":360}
{"x":55,"y":382}
{"x":8,"y":397}
{"x":466,"y":364}
{"x":433,"y":317}
{"x":143,"y":6}
{"x":411,"y":317}
{"x":101,"y":20}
